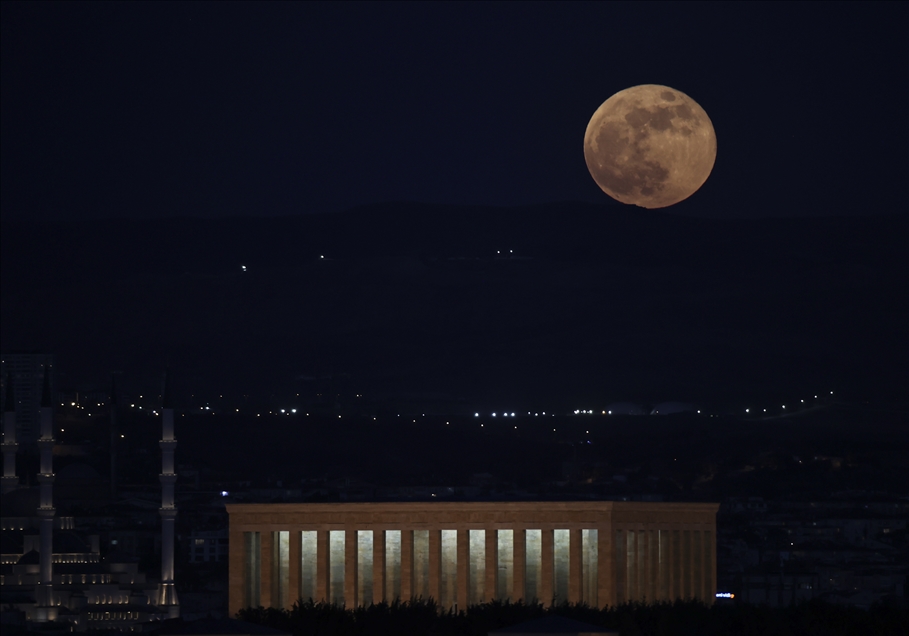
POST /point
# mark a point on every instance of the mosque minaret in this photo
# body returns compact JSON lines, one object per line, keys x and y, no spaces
{"x":167,"y":592}
{"x":44,"y":599}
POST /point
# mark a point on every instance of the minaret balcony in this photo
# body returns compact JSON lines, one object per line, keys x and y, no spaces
{"x":167,"y":444}
{"x":167,"y":478}
{"x":45,"y":478}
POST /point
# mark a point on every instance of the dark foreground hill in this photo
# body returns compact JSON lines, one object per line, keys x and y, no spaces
{"x":559,"y":303}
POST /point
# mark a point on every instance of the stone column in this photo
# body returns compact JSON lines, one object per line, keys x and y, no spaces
{"x":435,"y":563}
{"x":620,"y":547}
{"x":575,"y":571}
{"x":519,"y":563}
{"x":606,"y":566}
{"x":236,"y":571}
{"x":351,"y":554}
{"x":322,"y":569}
{"x":295,"y":554}
{"x":406,"y":565}
{"x":687,"y":563}
{"x":675,"y":558}
{"x":547,"y":570}
{"x":711,"y":588}
{"x":266,"y":552}
{"x":492,"y":564}
{"x":463,"y":570}
{"x":654,"y":585}
{"x":378,"y":566}
{"x":643,"y":563}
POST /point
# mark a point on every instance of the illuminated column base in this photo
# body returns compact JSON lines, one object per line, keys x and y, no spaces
{"x":167,"y":597}
{"x":45,"y":610}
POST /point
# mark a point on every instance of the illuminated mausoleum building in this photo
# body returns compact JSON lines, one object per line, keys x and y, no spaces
{"x":601,"y":553}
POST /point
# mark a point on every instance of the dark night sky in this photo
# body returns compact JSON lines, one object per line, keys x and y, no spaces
{"x":164,"y":109}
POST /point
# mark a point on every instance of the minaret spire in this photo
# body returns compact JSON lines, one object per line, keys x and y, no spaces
{"x":10,"y":446}
{"x":167,"y":592}
{"x":45,"y":608}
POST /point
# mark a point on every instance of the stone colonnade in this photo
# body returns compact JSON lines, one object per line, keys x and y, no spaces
{"x":598,"y":552}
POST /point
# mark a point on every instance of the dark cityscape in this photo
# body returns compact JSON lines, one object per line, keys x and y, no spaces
{"x":313,"y":320}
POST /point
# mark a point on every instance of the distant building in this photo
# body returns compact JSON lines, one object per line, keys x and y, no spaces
{"x":206,"y":546}
{"x":50,"y":574}
{"x":597,"y":552}
{"x":25,"y":370}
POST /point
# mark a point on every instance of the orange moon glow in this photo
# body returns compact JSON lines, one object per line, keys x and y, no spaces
{"x":650,"y":146}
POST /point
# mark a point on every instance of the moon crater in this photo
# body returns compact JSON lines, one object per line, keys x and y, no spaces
{"x":650,"y":146}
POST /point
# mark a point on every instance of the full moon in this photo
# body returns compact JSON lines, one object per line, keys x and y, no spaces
{"x":650,"y":146}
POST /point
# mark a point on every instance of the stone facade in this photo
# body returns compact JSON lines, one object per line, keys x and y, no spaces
{"x":460,"y":553}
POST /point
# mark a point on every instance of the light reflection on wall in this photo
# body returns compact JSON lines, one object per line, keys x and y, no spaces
{"x":308,"y":565}
{"x":336,"y":567}
{"x":476,"y":566}
{"x":533,"y":570}
{"x":589,"y":559}
{"x":561,"y":540}
{"x":364,"y":566}
{"x":392,"y":564}
{"x":505,"y":573}
{"x":448,"y":585}
{"x":421,"y":563}
{"x":281,"y":561}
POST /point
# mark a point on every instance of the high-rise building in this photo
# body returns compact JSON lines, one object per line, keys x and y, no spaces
{"x":25,"y":371}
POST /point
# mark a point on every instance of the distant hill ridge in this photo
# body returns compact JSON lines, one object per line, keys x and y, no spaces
{"x":602,"y":301}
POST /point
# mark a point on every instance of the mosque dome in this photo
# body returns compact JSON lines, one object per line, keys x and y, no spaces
{"x":29,"y":558}
{"x":69,"y":542}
